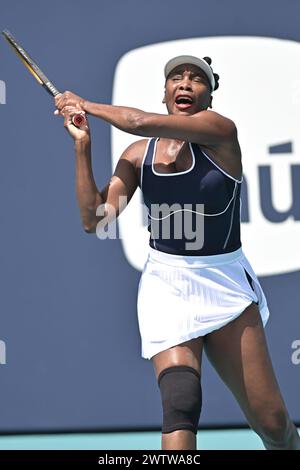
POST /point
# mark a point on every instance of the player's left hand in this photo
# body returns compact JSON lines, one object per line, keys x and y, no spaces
{"x":67,"y":99}
{"x":77,"y":133}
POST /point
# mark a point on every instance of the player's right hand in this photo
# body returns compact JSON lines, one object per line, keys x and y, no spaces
{"x":67,"y":99}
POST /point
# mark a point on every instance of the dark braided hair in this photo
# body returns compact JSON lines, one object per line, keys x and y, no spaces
{"x":208,"y":60}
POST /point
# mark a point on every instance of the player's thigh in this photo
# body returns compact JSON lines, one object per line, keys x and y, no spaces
{"x":239,"y":353}
{"x":188,"y":353}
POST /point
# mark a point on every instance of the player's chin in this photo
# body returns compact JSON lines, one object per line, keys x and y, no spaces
{"x":184,"y":112}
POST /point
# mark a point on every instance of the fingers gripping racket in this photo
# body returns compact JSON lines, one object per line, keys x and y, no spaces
{"x":78,"y":119}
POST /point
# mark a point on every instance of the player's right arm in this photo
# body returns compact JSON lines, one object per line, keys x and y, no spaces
{"x":105,"y":205}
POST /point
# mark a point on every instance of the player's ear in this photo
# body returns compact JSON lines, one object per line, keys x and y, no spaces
{"x":210,"y":102}
{"x":164,"y":98}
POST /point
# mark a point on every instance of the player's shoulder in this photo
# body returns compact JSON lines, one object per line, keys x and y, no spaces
{"x":135,"y":151}
{"x":215,"y":117}
{"x":138,"y":145}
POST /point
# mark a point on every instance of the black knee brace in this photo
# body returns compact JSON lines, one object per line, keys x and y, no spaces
{"x":181,"y":396}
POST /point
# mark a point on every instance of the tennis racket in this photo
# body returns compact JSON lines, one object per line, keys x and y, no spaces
{"x":78,"y":119}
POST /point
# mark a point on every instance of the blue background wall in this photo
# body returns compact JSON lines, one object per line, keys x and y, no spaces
{"x":68,"y":301}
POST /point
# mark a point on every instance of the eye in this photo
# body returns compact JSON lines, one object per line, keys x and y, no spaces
{"x":176,"y":77}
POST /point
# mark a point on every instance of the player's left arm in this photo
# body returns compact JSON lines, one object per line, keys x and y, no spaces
{"x":206,"y":127}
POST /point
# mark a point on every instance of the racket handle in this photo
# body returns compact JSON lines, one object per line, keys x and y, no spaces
{"x":78,"y":120}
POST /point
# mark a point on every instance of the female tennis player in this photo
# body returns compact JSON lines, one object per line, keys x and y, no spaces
{"x":197,"y":289}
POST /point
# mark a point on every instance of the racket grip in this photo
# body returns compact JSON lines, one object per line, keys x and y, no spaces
{"x":78,"y":120}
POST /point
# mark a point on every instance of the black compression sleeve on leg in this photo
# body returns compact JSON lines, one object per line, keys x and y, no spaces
{"x":181,"y":396}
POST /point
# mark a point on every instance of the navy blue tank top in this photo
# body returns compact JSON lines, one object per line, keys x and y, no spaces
{"x":193,"y":212}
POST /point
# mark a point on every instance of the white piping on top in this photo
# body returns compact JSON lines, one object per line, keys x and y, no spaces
{"x":231,"y":218}
{"x":196,"y":212}
{"x":143,"y":161}
{"x":172,"y":174}
{"x":193,"y":164}
{"x":223,"y":171}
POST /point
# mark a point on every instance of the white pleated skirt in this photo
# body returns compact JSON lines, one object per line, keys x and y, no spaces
{"x":184,"y":297}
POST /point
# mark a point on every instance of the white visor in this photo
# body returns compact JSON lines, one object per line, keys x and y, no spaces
{"x":189,"y":59}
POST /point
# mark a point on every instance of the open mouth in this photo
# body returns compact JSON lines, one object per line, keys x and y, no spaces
{"x":183,"y":102}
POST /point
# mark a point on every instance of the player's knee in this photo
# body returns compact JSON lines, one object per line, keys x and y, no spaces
{"x":181,"y":395}
{"x":274,"y":429}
